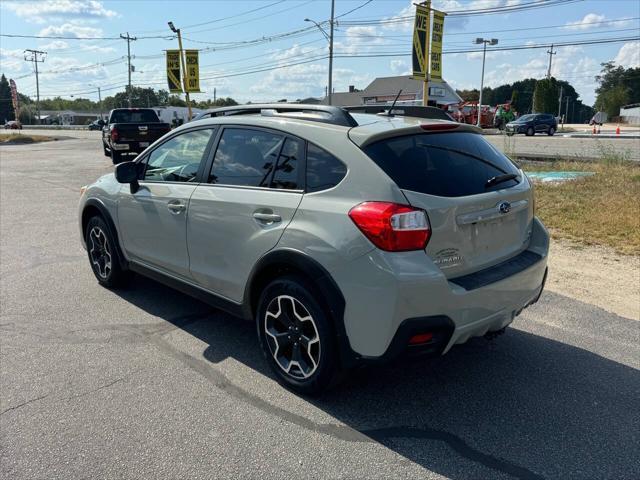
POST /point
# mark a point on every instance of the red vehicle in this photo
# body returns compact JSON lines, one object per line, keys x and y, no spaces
{"x":467,"y":112}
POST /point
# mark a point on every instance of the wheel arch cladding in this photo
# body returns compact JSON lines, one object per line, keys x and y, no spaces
{"x":288,"y":261}
{"x":93,"y":208}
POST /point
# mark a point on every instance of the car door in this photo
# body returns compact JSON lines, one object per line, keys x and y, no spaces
{"x":153,"y":219}
{"x":253,"y":189}
{"x":541,"y":123}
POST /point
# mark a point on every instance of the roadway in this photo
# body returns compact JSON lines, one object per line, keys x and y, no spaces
{"x":539,"y":146}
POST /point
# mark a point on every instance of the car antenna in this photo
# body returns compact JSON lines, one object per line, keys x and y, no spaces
{"x":394,"y":103}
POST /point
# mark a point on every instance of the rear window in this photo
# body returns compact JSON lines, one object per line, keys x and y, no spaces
{"x":134,"y":116}
{"x":454,"y":164}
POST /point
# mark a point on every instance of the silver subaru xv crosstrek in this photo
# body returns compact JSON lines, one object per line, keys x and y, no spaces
{"x":346,"y":237}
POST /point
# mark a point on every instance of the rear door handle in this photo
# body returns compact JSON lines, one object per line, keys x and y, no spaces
{"x":267,"y":217}
{"x":176,"y":206}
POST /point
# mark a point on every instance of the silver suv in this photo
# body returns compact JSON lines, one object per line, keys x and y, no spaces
{"x":346,"y":237}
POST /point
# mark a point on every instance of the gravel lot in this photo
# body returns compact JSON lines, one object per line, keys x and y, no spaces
{"x":149,"y":383}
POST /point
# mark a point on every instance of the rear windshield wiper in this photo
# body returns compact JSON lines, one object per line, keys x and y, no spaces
{"x":467,"y":154}
{"x":500,"y":179}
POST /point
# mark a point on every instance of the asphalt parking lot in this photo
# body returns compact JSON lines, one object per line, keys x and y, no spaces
{"x":149,"y":383}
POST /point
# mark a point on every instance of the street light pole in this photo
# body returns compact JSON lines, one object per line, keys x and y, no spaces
{"x":329,"y":38}
{"x":493,"y":41}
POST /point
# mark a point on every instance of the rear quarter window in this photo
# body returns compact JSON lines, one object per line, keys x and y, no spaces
{"x":324,"y":171}
{"x":453,"y":164}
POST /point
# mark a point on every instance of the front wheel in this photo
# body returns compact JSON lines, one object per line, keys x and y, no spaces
{"x":530,"y":132}
{"x":103,"y":254}
{"x":296,"y":336}
{"x":551,"y":131}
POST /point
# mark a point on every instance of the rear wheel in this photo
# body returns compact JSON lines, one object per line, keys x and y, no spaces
{"x":551,"y":131}
{"x":530,"y":132}
{"x":296,"y":336}
{"x":116,"y":157}
{"x":107,"y":153}
{"x":103,"y":254}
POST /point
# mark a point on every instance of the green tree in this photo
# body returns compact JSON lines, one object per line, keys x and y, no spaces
{"x":612,"y":99}
{"x":469,"y":95}
{"x":6,"y":106}
{"x":545,"y":96}
{"x":617,"y":87}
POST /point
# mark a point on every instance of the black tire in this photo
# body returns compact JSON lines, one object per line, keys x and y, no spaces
{"x":107,"y":153}
{"x":116,"y":157}
{"x":551,"y":131}
{"x":103,"y":254}
{"x":318,"y":367}
{"x":530,"y":132}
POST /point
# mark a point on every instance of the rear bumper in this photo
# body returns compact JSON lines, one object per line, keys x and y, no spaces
{"x":383,"y":290}
{"x":136,"y":147}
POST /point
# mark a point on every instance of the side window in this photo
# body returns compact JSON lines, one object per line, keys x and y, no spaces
{"x":178,"y":159}
{"x":323,"y":169}
{"x":288,"y":173}
{"x":245,"y":157}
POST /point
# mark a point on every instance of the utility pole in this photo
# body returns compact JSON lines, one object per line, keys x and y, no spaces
{"x":99,"y":100}
{"x":36,"y":56}
{"x":551,"y":54}
{"x":560,"y":102}
{"x":184,"y":69}
{"x":214,"y":95}
{"x":329,"y":38}
{"x":333,"y":6}
{"x":129,"y":40}
{"x":566,"y":110}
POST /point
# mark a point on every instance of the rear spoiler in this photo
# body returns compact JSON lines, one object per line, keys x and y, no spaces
{"x":403,"y":111}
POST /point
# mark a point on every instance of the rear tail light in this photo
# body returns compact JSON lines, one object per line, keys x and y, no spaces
{"x":114,"y":134}
{"x":391,"y":226}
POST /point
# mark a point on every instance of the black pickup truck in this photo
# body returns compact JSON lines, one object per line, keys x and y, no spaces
{"x":131,"y":130}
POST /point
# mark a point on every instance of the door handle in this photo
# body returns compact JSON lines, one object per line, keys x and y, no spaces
{"x":176,"y":207}
{"x":267,"y":217}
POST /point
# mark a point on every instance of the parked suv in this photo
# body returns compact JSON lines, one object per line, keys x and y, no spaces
{"x":346,"y":238}
{"x":533,"y":123}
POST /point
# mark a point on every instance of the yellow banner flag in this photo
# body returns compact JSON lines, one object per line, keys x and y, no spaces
{"x":436,"y":45}
{"x":173,"y":71}
{"x":192,"y":75}
{"x":421,"y":41}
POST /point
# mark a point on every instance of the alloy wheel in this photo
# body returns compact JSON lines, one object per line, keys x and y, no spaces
{"x":292,"y":336}
{"x":100,"y":252}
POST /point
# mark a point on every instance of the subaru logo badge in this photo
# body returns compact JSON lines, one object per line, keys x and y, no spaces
{"x":504,"y":207}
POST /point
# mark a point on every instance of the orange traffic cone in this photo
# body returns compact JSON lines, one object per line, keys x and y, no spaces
{"x":618,"y":130}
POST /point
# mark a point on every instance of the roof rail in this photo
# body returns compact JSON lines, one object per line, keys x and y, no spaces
{"x":316,"y":113}
{"x":403,"y":110}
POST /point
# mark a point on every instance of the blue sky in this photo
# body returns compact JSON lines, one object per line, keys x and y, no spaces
{"x":228,"y":35}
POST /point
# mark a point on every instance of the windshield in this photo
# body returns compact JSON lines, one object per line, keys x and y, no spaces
{"x":526,"y":118}
{"x":453,"y":164}
{"x":134,"y":116}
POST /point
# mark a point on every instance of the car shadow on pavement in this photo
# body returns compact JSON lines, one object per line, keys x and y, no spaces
{"x":521,"y":406}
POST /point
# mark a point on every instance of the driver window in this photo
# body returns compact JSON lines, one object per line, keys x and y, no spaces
{"x":178,"y":159}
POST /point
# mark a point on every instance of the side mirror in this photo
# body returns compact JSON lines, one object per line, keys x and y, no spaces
{"x":127,"y":172}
